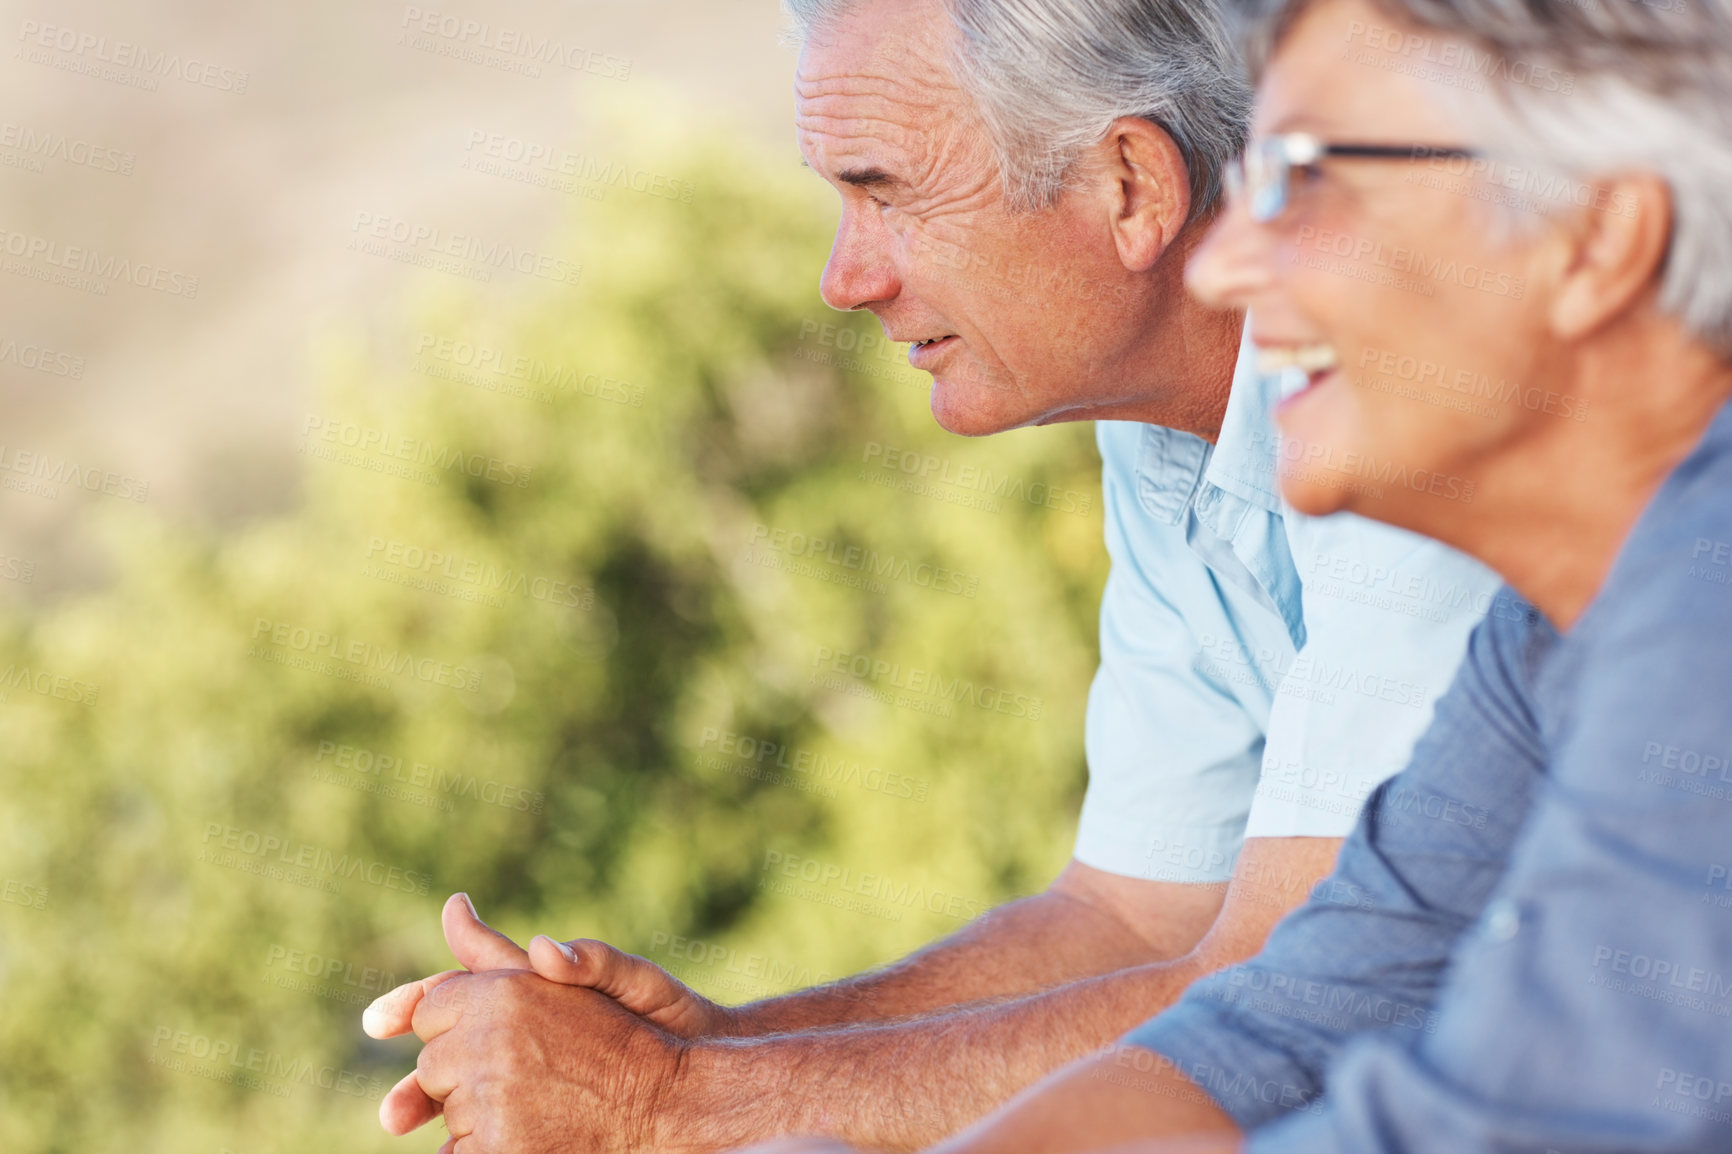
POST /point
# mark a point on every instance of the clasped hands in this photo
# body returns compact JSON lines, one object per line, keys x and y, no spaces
{"x":563,"y":1046}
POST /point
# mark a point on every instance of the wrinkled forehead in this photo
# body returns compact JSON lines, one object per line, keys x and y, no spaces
{"x":878,"y":80}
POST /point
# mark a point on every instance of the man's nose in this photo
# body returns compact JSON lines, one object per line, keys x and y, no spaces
{"x":1234,"y":262}
{"x":859,"y":272}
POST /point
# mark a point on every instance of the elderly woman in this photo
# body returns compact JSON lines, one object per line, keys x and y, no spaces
{"x":1488,"y":246}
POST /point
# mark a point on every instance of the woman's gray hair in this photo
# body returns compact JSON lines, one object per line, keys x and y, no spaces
{"x":1051,"y":76}
{"x":1591,"y":88}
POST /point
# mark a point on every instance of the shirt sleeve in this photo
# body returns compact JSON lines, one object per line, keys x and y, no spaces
{"x":1592,"y":1007}
{"x":1173,"y":755}
{"x":1367,"y":953}
{"x":1387,"y":617}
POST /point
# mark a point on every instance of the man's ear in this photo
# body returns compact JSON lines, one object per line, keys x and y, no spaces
{"x":1151,"y":200}
{"x":1614,"y":254}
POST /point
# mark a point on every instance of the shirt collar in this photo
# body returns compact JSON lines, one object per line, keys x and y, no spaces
{"x":1227,"y":494}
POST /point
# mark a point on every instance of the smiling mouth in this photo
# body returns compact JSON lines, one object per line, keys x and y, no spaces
{"x":1300,"y":367}
{"x":926,"y":355}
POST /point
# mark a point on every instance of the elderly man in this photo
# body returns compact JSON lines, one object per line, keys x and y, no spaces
{"x":1021,"y":184}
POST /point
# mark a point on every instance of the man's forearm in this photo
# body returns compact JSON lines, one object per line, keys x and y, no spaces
{"x":901,"y":1086}
{"x":1060,"y":935}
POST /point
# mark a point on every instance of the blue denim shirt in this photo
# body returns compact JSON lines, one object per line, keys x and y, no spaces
{"x":1527,"y":944}
{"x":1261,"y":671}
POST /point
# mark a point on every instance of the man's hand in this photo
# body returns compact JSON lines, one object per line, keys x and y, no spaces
{"x":638,"y":985}
{"x":525,"y":1066}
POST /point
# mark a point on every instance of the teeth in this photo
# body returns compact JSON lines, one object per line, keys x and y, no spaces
{"x":1309,"y":359}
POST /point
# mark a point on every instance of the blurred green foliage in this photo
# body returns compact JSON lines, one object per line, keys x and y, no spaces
{"x":198,"y":838}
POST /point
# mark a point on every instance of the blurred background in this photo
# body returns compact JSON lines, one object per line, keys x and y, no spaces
{"x":426,"y":465}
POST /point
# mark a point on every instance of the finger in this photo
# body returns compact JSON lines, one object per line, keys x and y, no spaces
{"x":482,"y":1137}
{"x":447,"y":1003}
{"x":394,"y":1013}
{"x":636,"y":983}
{"x":461,"y":1116}
{"x":407,"y":1107}
{"x":440,"y":1070}
{"x":474,"y":943}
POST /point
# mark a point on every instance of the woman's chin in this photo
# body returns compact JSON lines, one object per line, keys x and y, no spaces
{"x":1309,"y":494}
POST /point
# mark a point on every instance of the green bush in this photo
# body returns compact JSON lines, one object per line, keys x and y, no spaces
{"x":547,"y":726}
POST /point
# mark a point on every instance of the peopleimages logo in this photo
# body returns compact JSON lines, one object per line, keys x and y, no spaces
{"x":39,"y":359}
{"x":1426,"y":374}
{"x":924,"y":467}
{"x":482,"y":254}
{"x":762,"y":758}
{"x":122,"y":54}
{"x":100,"y":268}
{"x":1403,"y":261}
{"x":878,"y":672}
{"x":860,"y":560}
{"x":517,"y":44}
{"x":365,"y":655}
{"x":45,"y":144}
{"x":234,"y":844}
{"x":1309,"y":459}
{"x":481,"y":574}
{"x":580,"y":168}
{"x":255,"y":1068}
{"x":414,"y":454}
{"x":872,"y":886}
{"x":1419,"y":52}
{"x":43,"y":683}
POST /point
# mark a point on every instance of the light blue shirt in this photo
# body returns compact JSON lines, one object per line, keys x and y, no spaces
{"x":1261,"y":671}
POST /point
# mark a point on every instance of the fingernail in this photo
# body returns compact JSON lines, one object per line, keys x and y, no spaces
{"x":471,"y":904}
{"x":565,"y":951}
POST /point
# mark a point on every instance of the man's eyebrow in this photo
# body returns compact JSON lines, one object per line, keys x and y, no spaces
{"x":868,"y":178}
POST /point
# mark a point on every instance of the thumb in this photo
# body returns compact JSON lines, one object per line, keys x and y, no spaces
{"x":474,"y":943}
{"x":636,"y":983}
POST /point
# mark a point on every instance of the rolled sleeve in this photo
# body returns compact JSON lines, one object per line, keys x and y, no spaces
{"x":1174,"y":743}
{"x":1173,"y":760}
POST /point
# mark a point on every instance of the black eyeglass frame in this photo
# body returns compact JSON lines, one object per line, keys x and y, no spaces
{"x":1265,"y":170}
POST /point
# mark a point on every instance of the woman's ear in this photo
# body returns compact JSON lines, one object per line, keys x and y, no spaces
{"x":1150,"y":197}
{"x":1614,"y":254}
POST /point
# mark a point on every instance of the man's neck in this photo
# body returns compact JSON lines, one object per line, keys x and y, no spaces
{"x":1183,"y":374}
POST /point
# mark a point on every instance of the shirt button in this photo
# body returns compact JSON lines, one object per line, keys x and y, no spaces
{"x":1503,"y":920}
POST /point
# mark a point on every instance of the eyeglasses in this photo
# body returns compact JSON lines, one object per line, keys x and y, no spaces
{"x":1265,"y":172}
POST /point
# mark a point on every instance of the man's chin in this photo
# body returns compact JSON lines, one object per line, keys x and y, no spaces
{"x":972,"y":411}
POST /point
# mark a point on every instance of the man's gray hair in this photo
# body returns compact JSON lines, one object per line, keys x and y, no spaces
{"x":1051,"y":76}
{"x":1641,"y":86}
